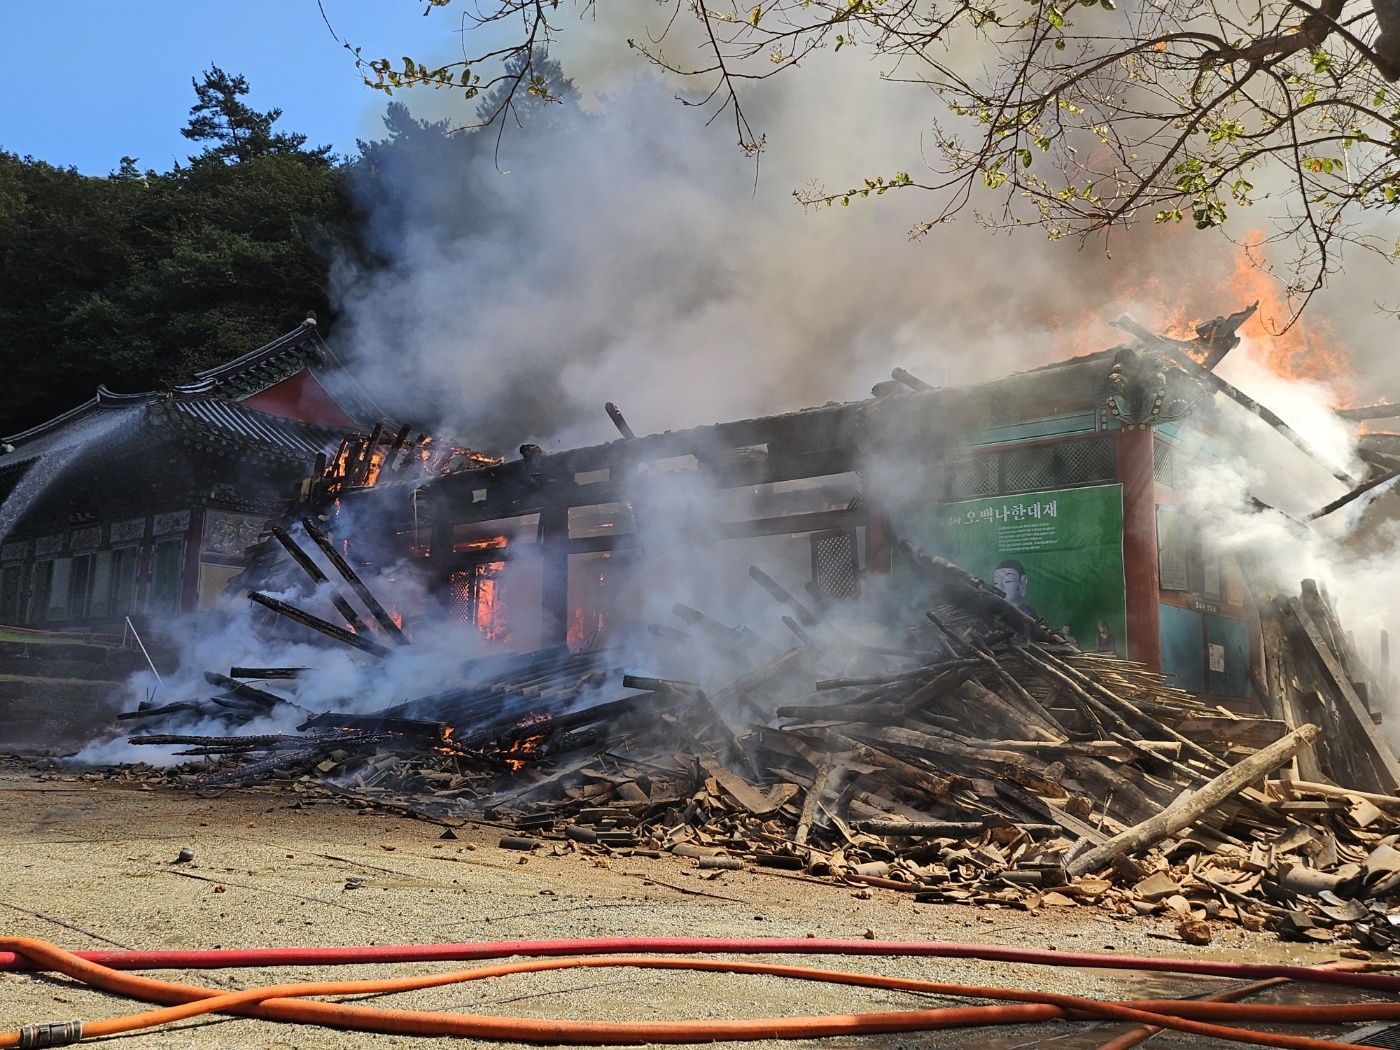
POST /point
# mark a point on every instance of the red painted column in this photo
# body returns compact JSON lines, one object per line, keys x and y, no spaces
{"x":1134,"y":455}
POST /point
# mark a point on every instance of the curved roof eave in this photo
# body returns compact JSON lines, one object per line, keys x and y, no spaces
{"x":104,"y":399}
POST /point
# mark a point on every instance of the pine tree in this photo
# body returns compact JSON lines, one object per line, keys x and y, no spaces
{"x":239,"y":133}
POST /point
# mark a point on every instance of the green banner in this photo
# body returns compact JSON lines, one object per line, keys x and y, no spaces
{"x":1058,"y":555}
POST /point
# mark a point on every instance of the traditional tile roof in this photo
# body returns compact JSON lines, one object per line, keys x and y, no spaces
{"x":261,"y":368}
{"x":210,"y":408}
{"x":234,"y":425}
{"x":284,"y":357}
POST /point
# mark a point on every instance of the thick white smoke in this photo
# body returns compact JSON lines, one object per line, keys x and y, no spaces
{"x":1219,"y":494}
{"x":628,"y":254}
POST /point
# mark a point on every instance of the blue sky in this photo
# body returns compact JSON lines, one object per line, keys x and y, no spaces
{"x":84,"y":82}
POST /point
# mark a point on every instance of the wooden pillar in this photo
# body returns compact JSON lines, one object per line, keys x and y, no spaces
{"x":27,"y":577}
{"x":440,"y":551}
{"x":879,"y":532}
{"x":879,"y":535}
{"x":145,"y":575}
{"x":554,"y":589}
{"x":189,"y":575}
{"x":1134,"y":464}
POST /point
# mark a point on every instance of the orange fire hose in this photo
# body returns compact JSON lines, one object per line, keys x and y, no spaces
{"x":1142,"y":1033}
{"x":275,"y":1003}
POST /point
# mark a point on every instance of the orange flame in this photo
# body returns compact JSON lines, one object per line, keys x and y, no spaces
{"x":376,"y":464}
{"x":528,"y":746}
{"x":358,"y":464}
{"x":1308,"y":350}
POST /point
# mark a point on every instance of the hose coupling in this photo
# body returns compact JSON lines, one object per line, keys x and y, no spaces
{"x":57,"y":1033}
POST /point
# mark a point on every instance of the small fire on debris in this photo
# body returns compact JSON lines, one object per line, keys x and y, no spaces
{"x":447,"y":743}
{"x":527,"y":747}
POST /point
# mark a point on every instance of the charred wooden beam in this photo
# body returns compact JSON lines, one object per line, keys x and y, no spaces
{"x":248,"y":708}
{"x":658,"y":685}
{"x":278,"y":760}
{"x":330,"y":630}
{"x":803,"y":445}
{"x":669,"y":634}
{"x":890,"y":712}
{"x":366,"y":458}
{"x":1356,"y":493}
{"x":267,"y":740}
{"x":782,"y":596}
{"x":408,"y":458}
{"x":1378,"y":459}
{"x":250,"y":693}
{"x":318,"y":577}
{"x":554,"y":586}
{"x":913,"y":382}
{"x":1370,"y":412}
{"x":400,"y":440}
{"x":349,"y":724}
{"x":899,"y":676}
{"x":351,"y":577}
{"x":167,"y":709}
{"x":267,"y":673}
{"x":979,"y":596}
{"x":1209,"y":379}
{"x":802,"y":636}
{"x":736,"y":638}
{"x":809,"y":804}
{"x":784,"y":525}
{"x":561,"y":743}
{"x":619,"y":421}
{"x":952,"y":829}
{"x":1351,"y":708}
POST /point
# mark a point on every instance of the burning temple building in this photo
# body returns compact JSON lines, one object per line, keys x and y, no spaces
{"x":1067,"y":487}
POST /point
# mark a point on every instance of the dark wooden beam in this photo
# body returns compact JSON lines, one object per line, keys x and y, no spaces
{"x":1370,"y":412}
{"x":814,"y":521}
{"x":554,"y":588}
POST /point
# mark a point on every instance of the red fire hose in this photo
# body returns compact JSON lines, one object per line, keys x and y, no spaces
{"x":231,"y":958}
{"x":276,"y":1003}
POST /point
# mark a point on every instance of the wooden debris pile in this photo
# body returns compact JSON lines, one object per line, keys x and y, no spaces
{"x":1315,"y":675}
{"x":994,"y":764}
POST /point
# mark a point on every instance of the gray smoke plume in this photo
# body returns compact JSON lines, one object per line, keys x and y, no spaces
{"x":627,"y":254}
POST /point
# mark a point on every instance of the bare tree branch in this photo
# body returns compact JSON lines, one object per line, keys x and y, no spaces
{"x":1075,"y":117}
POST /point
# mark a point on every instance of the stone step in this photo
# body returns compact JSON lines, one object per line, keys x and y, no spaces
{"x":47,"y":667}
{"x":78,"y":690}
{"x":119,"y":662}
{"x":57,"y":723}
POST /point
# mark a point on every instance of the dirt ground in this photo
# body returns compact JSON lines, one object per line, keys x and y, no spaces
{"x":89,"y":865}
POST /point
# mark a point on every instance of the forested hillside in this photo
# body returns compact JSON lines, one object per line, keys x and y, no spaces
{"x":142,"y":275}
